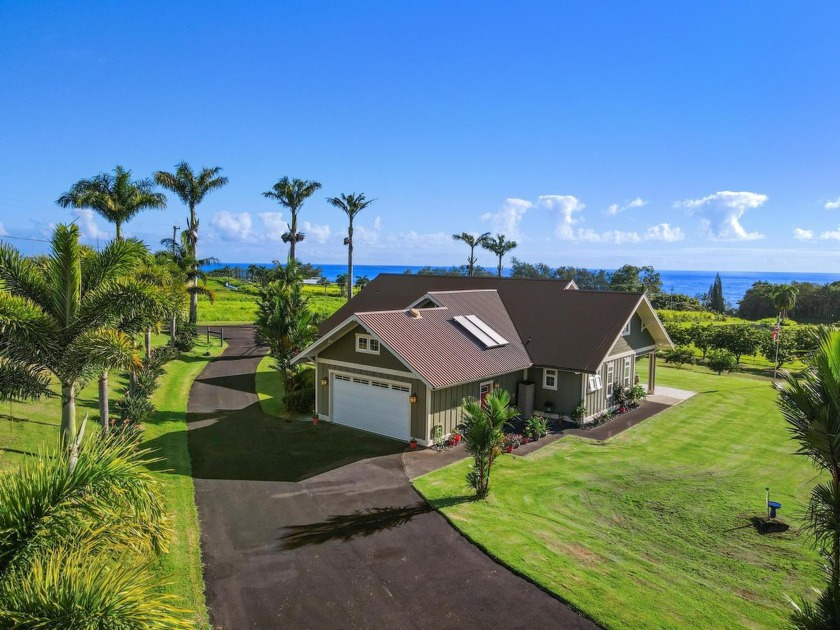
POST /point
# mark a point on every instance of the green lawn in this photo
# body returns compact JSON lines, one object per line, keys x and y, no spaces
{"x":653,"y":528}
{"x":240,"y":306}
{"x":35,"y":425}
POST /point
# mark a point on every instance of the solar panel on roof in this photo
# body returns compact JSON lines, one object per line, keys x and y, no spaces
{"x":481,"y":331}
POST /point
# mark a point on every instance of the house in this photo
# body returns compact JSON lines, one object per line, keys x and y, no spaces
{"x":399,"y":359}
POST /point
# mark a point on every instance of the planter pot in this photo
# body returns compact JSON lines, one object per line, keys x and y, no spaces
{"x":509,"y":449}
{"x":412,"y":445}
{"x":526,"y":440}
{"x":457,"y":438}
{"x":450,"y":442}
{"x":314,"y":420}
{"x":543,"y":434}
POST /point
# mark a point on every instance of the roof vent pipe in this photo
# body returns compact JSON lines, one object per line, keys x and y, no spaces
{"x":415,"y":314}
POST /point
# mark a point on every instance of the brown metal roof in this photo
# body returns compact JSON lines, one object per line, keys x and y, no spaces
{"x":430,"y":343}
{"x":568,"y":329}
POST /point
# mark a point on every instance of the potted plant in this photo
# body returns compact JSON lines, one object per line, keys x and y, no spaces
{"x":511,"y":441}
{"x":548,"y":406}
{"x":579,"y":413}
{"x":315,"y":418}
{"x":456,"y":436}
{"x":412,"y":443}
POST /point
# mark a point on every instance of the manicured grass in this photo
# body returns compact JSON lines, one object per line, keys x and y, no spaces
{"x":269,"y":387}
{"x":240,"y":306}
{"x":653,"y":528}
{"x":35,"y":426}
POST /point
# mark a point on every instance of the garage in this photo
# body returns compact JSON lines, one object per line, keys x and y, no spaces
{"x":371,"y":405}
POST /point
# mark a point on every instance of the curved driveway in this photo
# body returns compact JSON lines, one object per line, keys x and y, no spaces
{"x":353,"y":547}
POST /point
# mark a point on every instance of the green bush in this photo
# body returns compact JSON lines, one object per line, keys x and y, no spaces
{"x":678,"y":356}
{"x":300,"y":401}
{"x":579,"y":413}
{"x":185,"y":337}
{"x":721,"y":361}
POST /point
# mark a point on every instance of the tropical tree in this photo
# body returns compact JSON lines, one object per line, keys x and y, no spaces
{"x":472,"y":242}
{"x":291,"y":193}
{"x":324,"y":282}
{"x":191,"y":188}
{"x":343,"y":280}
{"x":716,"y":301}
{"x":483,"y":435}
{"x":187,"y":271}
{"x":115,"y":196}
{"x":810,"y":403}
{"x":66,"y":317}
{"x":500,"y":246}
{"x":362,"y":281}
{"x":784,"y":298}
{"x":284,"y":320}
{"x":351,"y":205}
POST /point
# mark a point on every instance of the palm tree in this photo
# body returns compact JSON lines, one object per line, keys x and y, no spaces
{"x":784,"y":298}
{"x":810,"y":403}
{"x":115,"y":197}
{"x":472,"y":241}
{"x":186,"y":271}
{"x":483,"y":434}
{"x":499,"y":246}
{"x":291,"y":193}
{"x":67,"y":317}
{"x":191,"y":189}
{"x":351,"y":205}
{"x":324,"y":282}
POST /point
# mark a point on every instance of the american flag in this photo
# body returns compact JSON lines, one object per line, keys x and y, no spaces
{"x":777,"y":328}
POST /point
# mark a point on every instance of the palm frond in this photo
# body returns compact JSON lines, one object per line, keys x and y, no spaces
{"x":118,"y":258}
{"x":98,"y":351}
{"x":64,"y":273}
{"x":20,"y":381}
{"x":21,"y":276}
{"x":28,"y":335}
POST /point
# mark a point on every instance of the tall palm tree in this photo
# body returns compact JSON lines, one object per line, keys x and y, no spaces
{"x":810,"y":403}
{"x":191,"y":188}
{"x":472,"y":241}
{"x":351,"y":205}
{"x":291,"y":193}
{"x":499,"y":246}
{"x":186,"y":272}
{"x":784,"y":298}
{"x":67,"y":317}
{"x":114,"y":197}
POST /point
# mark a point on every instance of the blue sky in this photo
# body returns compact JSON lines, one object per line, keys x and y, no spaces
{"x":684,"y":135}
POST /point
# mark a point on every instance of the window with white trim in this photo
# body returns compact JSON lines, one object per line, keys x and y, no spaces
{"x":367,"y":343}
{"x":626,"y":330}
{"x":610,"y":379}
{"x":594,"y":382}
{"x":627,"y":371}
{"x":549,"y":379}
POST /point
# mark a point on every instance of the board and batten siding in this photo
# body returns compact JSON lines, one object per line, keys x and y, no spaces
{"x":344,"y":349}
{"x":636,"y":340}
{"x":565,"y":398}
{"x":600,"y":400}
{"x":418,"y":409}
{"x":446,"y":403}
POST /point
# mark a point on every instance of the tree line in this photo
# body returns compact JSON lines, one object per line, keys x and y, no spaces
{"x":812,"y":302}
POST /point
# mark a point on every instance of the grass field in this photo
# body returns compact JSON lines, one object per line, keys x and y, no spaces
{"x":654,"y":528}
{"x":240,"y":306}
{"x":35,"y":425}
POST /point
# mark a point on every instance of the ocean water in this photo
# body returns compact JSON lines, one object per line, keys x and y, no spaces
{"x":693,"y":283}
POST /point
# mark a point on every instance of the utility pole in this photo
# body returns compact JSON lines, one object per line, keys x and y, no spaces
{"x":173,"y":323}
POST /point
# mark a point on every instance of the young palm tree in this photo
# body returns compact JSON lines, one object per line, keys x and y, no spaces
{"x":185,"y":269}
{"x":499,"y":246}
{"x":115,"y":197}
{"x":784,"y":298}
{"x":472,"y":241}
{"x":66,"y":317}
{"x":291,"y":193}
{"x":351,"y":205}
{"x":191,"y":189}
{"x":483,"y":435}
{"x":810,"y":404}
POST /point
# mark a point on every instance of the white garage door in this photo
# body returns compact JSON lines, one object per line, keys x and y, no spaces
{"x":371,"y":405}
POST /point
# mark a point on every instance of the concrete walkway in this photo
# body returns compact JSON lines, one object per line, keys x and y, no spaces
{"x":354,"y":547}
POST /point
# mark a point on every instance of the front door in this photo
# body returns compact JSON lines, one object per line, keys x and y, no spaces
{"x":484,"y":392}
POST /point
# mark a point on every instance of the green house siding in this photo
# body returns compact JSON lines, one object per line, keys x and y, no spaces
{"x":636,"y":340}
{"x":344,"y":349}
{"x":564,"y":399}
{"x":418,"y":409}
{"x":599,"y":400}
{"x":446,"y":403}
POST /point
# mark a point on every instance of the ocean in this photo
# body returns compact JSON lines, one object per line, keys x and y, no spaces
{"x":692,"y":283}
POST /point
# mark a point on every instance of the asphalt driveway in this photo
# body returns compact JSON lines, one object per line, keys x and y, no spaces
{"x":351,"y":547}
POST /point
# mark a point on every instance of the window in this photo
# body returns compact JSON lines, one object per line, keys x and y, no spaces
{"x":627,"y":371}
{"x":366,"y":343}
{"x":549,"y":379}
{"x":610,"y":379}
{"x":627,"y":328}
{"x":594,"y":382}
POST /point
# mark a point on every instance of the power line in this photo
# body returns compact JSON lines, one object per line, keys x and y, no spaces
{"x":24,"y":238}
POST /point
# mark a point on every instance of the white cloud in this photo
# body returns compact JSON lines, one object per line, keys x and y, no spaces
{"x":832,"y":205}
{"x":564,"y":208}
{"x":803,"y":235}
{"x":3,"y":231}
{"x":431,"y":239}
{"x":615,"y":208}
{"x":664,"y":232}
{"x":318,"y":233}
{"x":274,"y":226}
{"x":721,"y":214}
{"x":832,"y":235}
{"x":507,"y":219}
{"x":233,"y":227}
{"x":616,"y":237}
{"x":89,"y":228}
{"x":368,"y":235}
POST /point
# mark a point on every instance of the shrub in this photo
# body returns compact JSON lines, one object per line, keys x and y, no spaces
{"x":512,"y":439}
{"x":484,"y":435}
{"x":636,"y":394}
{"x":721,"y":361}
{"x":579,"y":413}
{"x":619,"y":394}
{"x":300,"y":401}
{"x":536,"y":427}
{"x":678,"y":356}
{"x":185,"y":337}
